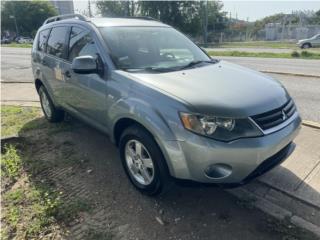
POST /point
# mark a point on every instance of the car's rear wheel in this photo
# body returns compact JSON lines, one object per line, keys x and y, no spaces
{"x":306,"y":45}
{"x":51,"y":113}
{"x":143,"y":161}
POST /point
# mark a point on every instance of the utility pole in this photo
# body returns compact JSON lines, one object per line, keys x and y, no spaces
{"x":205,"y":23}
{"x":89,"y":8}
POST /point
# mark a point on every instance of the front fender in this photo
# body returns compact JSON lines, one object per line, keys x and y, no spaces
{"x":143,"y":113}
{"x":157,"y":124}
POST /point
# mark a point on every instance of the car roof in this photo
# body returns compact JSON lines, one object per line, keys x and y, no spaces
{"x":137,"y":22}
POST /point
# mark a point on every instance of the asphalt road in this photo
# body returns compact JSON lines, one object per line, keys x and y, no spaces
{"x":296,"y":66}
{"x":16,"y":67}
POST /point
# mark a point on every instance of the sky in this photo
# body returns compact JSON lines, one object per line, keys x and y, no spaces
{"x":252,"y":10}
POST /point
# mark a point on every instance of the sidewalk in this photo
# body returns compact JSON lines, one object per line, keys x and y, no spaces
{"x":22,"y":94}
{"x":290,"y":192}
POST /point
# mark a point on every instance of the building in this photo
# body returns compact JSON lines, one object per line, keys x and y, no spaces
{"x":63,"y":7}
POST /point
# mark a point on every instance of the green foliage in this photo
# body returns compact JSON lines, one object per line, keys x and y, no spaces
{"x":116,"y":8}
{"x":306,"y":54}
{"x":316,"y":18}
{"x":14,"y":117}
{"x":17,"y":45}
{"x":10,"y":162}
{"x":295,"y":54}
{"x":29,"y":15}
{"x":276,"y":18}
{"x":187,"y":16}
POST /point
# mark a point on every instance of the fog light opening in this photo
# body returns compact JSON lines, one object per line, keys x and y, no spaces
{"x":218,"y":171}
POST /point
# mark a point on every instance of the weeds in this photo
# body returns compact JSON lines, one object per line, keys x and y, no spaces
{"x":11,"y":163}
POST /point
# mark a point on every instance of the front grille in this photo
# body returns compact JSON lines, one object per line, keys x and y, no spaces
{"x":275,"y":117}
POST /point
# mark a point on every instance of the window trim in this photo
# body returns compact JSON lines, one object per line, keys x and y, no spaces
{"x":89,"y":32}
{"x":65,"y":42}
{"x":69,"y":37}
{"x":38,"y":40}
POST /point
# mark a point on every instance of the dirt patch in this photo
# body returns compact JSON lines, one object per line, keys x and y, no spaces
{"x":83,"y":166}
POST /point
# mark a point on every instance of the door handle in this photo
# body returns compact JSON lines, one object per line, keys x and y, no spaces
{"x":67,"y":74}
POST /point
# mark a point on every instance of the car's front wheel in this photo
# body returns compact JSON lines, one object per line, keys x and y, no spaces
{"x":51,"y":113}
{"x":306,"y":45}
{"x":143,"y":161}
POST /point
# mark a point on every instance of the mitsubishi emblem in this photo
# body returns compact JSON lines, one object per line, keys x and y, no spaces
{"x":284,"y":116}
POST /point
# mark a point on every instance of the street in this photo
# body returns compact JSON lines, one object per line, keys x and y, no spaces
{"x":16,"y":67}
{"x":296,"y":66}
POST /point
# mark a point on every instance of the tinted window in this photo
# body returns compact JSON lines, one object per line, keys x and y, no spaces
{"x":56,"y":42}
{"x":81,"y":43}
{"x":43,"y":37}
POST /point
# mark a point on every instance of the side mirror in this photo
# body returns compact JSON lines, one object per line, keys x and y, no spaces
{"x":84,"y":65}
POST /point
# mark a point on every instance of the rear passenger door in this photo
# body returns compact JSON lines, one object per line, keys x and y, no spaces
{"x":86,"y":92}
{"x":56,"y":54}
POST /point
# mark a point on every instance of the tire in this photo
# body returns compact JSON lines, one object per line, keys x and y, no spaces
{"x":51,"y":113}
{"x":160,"y":182}
{"x":306,"y":45}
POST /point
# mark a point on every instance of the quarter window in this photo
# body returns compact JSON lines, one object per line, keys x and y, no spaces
{"x":56,"y":42}
{"x":43,"y":37}
{"x":81,"y":43}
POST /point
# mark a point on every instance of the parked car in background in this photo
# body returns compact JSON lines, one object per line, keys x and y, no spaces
{"x":172,"y":110}
{"x":5,"y":41}
{"x":24,"y":40}
{"x":310,"y":42}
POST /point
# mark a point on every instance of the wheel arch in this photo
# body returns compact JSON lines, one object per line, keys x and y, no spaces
{"x":38,"y":83}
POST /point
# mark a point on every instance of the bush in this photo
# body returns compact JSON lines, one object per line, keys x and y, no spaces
{"x":295,"y":54}
{"x":306,"y":54}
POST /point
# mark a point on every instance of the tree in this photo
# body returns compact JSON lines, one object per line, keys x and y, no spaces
{"x":316,"y":18}
{"x":116,"y":8}
{"x":187,"y":16}
{"x":28,"y":15}
{"x":191,"y":17}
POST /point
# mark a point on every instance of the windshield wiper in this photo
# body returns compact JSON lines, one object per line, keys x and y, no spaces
{"x":193,"y":63}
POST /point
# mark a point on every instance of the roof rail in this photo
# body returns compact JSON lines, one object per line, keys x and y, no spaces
{"x":65,"y":16}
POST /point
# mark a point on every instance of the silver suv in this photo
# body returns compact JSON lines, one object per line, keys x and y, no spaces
{"x":172,"y":110}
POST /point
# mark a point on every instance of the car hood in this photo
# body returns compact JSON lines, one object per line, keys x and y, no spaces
{"x":222,"y":89}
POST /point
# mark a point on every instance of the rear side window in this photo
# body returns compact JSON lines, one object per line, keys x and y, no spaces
{"x":56,"y":43}
{"x":43,"y":37}
{"x":81,"y":43}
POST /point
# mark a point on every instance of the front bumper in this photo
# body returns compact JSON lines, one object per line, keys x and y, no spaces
{"x":244,"y":159}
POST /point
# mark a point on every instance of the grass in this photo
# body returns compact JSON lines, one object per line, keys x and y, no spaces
{"x":17,"y":45}
{"x":10,"y":163}
{"x":14,"y":117}
{"x":259,"y":44}
{"x":32,"y":207}
{"x":295,"y":54}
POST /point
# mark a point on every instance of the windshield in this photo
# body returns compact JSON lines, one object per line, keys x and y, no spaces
{"x":151,"y":48}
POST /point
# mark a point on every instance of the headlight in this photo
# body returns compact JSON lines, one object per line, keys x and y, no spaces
{"x":223,"y":129}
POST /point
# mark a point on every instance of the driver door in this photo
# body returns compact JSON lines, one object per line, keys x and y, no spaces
{"x":86,"y":93}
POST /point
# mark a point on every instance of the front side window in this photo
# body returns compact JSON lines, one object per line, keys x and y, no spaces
{"x":43,"y":37}
{"x":81,"y":43}
{"x":56,"y":42}
{"x":150,"y":47}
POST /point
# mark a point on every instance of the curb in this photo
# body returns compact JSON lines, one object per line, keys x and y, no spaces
{"x":311,"y":124}
{"x":274,"y":210}
{"x":291,"y":74}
